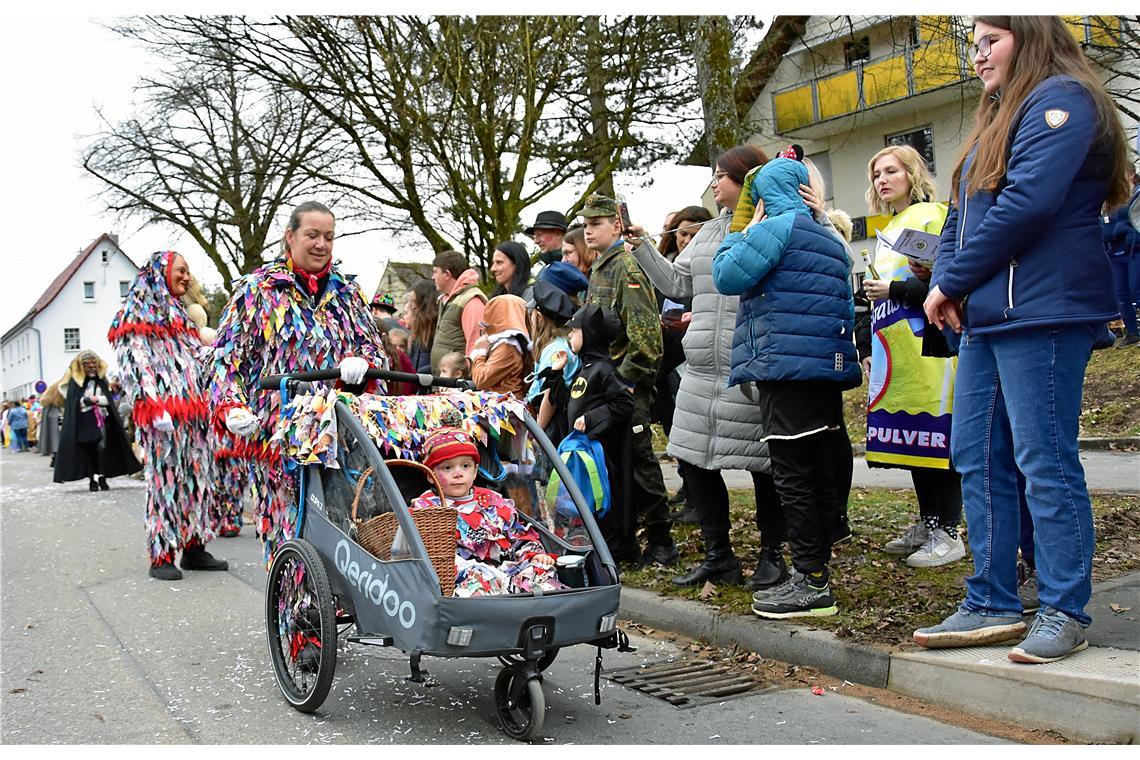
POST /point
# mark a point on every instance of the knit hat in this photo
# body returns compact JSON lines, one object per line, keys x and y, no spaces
{"x":565,"y":276}
{"x":446,"y":444}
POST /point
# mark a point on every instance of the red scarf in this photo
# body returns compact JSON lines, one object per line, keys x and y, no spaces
{"x":312,"y":280}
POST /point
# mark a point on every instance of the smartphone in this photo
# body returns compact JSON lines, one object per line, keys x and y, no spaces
{"x":623,"y":211}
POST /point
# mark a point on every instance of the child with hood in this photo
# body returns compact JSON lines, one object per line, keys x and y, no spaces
{"x":793,"y":341}
{"x":601,"y":406}
{"x":502,"y":356}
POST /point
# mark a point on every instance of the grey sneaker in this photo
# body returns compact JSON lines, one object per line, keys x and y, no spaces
{"x":966,"y":629}
{"x":796,"y":598}
{"x":909,"y":542}
{"x":1027,"y":587}
{"x":939,"y":549}
{"x":1053,"y":637}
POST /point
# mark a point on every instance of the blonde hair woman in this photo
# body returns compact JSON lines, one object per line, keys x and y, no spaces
{"x":918,"y":178}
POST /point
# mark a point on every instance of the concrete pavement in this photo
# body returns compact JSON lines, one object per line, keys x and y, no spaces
{"x":95,"y":652}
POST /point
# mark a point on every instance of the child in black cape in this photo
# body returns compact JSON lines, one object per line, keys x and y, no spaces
{"x":601,"y":406}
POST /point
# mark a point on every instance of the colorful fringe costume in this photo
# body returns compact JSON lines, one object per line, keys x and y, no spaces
{"x":162,"y":364}
{"x":272,"y":326}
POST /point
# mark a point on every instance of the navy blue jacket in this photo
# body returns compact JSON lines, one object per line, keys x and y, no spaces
{"x":1030,"y":254}
{"x":1119,"y":236}
{"x":797,"y":314}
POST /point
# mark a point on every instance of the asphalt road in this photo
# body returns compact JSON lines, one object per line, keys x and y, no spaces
{"x":96,"y":652}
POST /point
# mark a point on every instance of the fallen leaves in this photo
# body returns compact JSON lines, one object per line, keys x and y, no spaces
{"x":1117,"y":608}
{"x":707,"y":592}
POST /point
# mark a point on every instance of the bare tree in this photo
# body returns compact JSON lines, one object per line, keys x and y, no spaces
{"x":213,"y":153}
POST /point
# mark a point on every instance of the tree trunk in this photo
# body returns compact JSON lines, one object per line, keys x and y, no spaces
{"x":712,"y":52}
{"x":599,"y":122}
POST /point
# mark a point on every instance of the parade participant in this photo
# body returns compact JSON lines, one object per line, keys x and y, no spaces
{"x":52,"y":402}
{"x":510,"y":266}
{"x":18,"y":425}
{"x":793,"y":341}
{"x":547,"y":232}
{"x":92,"y":441}
{"x":460,"y":306}
{"x":161,"y":356}
{"x":294,"y":314}
{"x":714,"y":425}
{"x":909,"y":393}
{"x":618,"y":284}
{"x":1022,"y":274}
{"x":497,"y":553}
{"x":502,"y":357}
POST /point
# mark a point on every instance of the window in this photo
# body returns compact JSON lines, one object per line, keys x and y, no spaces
{"x":921,"y":139}
{"x":106,"y":256}
{"x":857,"y":51}
{"x":822,"y":162}
{"x":71,"y":339}
{"x":89,"y":290}
{"x":124,"y":288}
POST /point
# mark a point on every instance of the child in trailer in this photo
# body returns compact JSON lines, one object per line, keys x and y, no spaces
{"x":601,"y":407}
{"x":496,"y":553}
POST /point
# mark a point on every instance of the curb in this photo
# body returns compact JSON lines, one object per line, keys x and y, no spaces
{"x":779,"y":641}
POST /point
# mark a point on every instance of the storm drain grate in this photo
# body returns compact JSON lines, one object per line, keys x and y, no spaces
{"x":688,"y":683}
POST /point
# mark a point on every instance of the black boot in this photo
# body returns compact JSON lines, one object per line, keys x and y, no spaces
{"x":686,"y":516}
{"x":680,"y":497}
{"x":103,"y":484}
{"x":165,"y":572}
{"x":93,"y":485}
{"x":197,"y":558}
{"x":720,"y":566}
{"x":770,"y":569}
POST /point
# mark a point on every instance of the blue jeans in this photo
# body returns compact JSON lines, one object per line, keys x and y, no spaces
{"x":1126,"y":284}
{"x":1017,"y":402}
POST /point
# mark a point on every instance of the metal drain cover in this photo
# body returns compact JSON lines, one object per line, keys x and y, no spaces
{"x":688,"y":683}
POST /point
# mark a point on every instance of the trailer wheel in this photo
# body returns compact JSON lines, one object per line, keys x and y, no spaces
{"x":520,"y":704}
{"x":300,"y":619}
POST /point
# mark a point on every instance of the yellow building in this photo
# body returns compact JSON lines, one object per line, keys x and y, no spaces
{"x":851,"y":85}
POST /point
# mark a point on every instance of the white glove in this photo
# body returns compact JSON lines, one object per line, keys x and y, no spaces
{"x":241,"y":422}
{"x":101,"y":400}
{"x":164,"y":423}
{"x":352,"y":370}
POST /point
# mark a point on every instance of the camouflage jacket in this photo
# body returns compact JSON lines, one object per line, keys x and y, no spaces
{"x":617,"y":283}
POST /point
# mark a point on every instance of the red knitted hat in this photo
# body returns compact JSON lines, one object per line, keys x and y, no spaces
{"x":447,"y":443}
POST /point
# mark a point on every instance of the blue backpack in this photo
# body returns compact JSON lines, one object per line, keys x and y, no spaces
{"x":586,"y":462}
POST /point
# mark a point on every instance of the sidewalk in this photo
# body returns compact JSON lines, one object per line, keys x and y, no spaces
{"x":1092,"y":696}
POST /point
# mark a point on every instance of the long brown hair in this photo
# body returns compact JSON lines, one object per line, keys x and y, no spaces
{"x":1043,"y":47}
{"x":577,"y":238}
{"x":427,"y":312}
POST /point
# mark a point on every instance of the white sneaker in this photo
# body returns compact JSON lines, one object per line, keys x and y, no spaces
{"x":915,"y":536}
{"x":939,"y":549}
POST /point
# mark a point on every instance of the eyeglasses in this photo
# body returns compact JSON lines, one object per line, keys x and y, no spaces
{"x":717,"y":177}
{"x":984,"y":44}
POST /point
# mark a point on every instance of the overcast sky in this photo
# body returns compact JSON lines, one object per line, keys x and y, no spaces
{"x":58,"y":70}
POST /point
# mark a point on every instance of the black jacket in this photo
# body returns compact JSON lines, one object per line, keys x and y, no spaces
{"x":114,"y":450}
{"x":597,"y":391}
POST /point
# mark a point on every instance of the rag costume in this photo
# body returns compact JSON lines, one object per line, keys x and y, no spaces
{"x":92,"y":440}
{"x":280,"y":320}
{"x":496,"y":552}
{"x":163,"y":375}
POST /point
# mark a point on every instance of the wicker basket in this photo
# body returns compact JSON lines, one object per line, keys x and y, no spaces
{"x":435,"y":526}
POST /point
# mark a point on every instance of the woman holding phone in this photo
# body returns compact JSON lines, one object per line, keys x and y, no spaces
{"x":1022,"y":275}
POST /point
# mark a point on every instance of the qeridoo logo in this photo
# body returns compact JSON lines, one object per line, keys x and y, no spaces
{"x":373,"y":587}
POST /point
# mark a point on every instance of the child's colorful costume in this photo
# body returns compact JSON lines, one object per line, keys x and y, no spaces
{"x":163,"y":374}
{"x":279,"y":321}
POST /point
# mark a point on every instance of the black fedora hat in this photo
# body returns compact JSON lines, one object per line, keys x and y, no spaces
{"x":547,"y":220}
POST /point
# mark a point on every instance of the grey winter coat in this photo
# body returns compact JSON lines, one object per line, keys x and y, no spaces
{"x":714,"y":427}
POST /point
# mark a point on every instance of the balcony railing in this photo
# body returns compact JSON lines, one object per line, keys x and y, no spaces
{"x":872,"y":83}
{"x":921,"y":68}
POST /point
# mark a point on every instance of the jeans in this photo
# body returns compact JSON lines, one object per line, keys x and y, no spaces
{"x":1126,"y":284}
{"x":1016,"y":407}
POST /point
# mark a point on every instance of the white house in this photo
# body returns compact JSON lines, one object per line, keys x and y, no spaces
{"x":851,"y":85}
{"x":74,"y":313}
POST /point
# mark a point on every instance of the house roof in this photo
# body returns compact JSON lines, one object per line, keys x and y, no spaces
{"x":62,"y":279}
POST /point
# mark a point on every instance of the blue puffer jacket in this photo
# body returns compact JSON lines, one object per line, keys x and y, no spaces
{"x":797,"y":314}
{"x":1120,"y":237}
{"x":1030,"y":255}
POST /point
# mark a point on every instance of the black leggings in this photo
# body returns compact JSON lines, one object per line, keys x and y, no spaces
{"x":939,"y":495}
{"x":709,"y":497}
